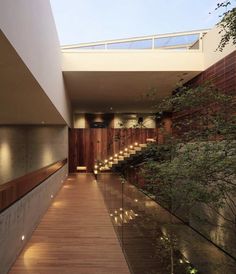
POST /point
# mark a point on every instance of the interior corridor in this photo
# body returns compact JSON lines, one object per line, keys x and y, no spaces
{"x":75,"y":235}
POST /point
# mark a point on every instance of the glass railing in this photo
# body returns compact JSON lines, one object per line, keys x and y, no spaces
{"x":191,"y":40}
{"x":153,"y":240}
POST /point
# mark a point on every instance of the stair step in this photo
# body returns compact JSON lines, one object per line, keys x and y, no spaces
{"x":129,"y":152}
{"x":150,"y":140}
{"x":104,"y":168}
{"x":81,"y":168}
{"x":143,"y":145}
{"x":121,"y":161}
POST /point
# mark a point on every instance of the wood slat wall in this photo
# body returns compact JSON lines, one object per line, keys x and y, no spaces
{"x":88,"y":145}
{"x":222,"y":74}
{"x":14,"y":190}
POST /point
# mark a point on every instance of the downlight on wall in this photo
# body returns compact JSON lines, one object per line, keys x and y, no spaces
{"x":47,"y":156}
{"x":6,"y":160}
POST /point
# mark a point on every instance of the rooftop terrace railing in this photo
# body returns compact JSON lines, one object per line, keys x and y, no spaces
{"x":190,"y":40}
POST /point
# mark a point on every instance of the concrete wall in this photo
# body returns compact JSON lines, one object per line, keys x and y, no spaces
{"x":79,"y":120}
{"x":27,"y":148}
{"x":30,"y":28}
{"x":23,"y":217}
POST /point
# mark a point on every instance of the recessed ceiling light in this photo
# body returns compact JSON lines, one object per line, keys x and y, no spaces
{"x":42,"y":122}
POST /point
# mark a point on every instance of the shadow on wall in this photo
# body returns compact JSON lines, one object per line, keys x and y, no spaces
{"x":27,"y":148}
{"x":111,"y":120}
{"x":143,"y":120}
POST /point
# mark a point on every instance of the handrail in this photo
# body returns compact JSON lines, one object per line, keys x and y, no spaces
{"x":14,"y":190}
{"x":107,"y":44}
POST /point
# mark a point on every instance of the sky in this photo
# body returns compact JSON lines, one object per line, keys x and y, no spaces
{"x":80,"y":21}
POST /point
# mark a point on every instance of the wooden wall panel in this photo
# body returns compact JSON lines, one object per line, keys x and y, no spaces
{"x":222,"y":74}
{"x":88,"y":145}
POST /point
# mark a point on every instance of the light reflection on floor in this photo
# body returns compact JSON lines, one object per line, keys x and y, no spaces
{"x":33,"y":253}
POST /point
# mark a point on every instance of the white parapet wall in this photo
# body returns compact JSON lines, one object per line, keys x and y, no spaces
{"x":198,"y":57}
{"x":133,"y":60}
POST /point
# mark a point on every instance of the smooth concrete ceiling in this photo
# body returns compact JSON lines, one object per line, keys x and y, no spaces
{"x":22,"y":100}
{"x":120,"y":91}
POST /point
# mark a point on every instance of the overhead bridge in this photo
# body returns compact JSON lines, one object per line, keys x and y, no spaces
{"x":167,"y":52}
{"x":116,"y":73}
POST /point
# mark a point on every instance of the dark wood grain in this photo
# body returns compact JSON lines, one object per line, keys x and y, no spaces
{"x":88,"y":145}
{"x":222,"y":74}
{"x":12,"y":191}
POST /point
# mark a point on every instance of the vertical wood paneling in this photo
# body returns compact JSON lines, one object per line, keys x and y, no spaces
{"x":222,"y":74}
{"x":88,"y":145}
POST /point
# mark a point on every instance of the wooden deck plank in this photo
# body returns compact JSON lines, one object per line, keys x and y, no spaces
{"x":75,"y":235}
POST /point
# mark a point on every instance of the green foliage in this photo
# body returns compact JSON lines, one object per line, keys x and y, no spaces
{"x":194,"y":172}
{"x":227,"y":25}
{"x":198,"y":163}
{"x":209,"y":112}
{"x":192,"y":270}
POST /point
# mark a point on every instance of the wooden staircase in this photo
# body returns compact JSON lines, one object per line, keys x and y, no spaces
{"x":120,"y":158}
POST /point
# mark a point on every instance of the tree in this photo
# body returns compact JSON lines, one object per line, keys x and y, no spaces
{"x":227,"y":25}
{"x":197,"y":164}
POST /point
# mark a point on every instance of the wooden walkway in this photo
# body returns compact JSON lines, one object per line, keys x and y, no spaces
{"x":75,"y":235}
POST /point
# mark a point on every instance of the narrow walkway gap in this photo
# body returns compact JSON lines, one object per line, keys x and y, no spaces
{"x":75,"y":235}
